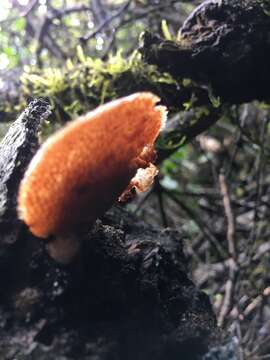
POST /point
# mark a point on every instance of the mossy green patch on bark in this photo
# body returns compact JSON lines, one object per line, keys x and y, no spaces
{"x":79,"y":87}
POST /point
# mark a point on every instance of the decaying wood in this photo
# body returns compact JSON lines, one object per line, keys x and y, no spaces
{"x":16,"y":151}
{"x":224,"y":44}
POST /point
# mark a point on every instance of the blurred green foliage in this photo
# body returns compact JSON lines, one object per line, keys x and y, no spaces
{"x":49,"y":31}
{"x":79,"y":86}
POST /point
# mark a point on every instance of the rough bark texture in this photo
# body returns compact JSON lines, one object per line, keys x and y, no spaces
{"x":224,"y":44}
{"x":128,"y":296}
{"x":16,"y":150}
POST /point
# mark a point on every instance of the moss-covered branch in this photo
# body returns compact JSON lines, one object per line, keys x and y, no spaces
{"x":223,"y":44}
{"x":85,"y":83}
{"x":82,"y":85}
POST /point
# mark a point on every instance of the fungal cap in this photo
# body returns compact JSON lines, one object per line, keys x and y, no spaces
{"x":83,"y":168}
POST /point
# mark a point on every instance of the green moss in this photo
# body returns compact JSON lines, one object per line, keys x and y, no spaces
{"x":81,"y":85}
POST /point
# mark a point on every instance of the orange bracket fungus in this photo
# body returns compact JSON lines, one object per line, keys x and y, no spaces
{"x":82,"y":169}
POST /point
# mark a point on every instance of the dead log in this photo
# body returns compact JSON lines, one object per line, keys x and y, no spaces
{"x":17,"y":149}
{"x":223,"y":44}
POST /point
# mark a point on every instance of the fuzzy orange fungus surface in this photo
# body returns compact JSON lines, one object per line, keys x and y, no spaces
{"x":82,"y":169}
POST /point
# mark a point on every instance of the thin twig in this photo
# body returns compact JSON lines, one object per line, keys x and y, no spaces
{"x":230,"y":286}
{"x":105,"y":23}
{"x":221,"y":252}
{"x":259,"y":179}
{"x":229,"y":216}
{"x":159,"y":192}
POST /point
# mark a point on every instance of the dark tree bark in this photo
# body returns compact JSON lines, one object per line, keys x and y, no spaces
{"x":224,"y":44}
{"x":16,"y":151}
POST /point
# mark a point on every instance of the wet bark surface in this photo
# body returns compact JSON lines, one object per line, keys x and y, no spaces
{"x":16,"y":151}
{"x":224,"y":44}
